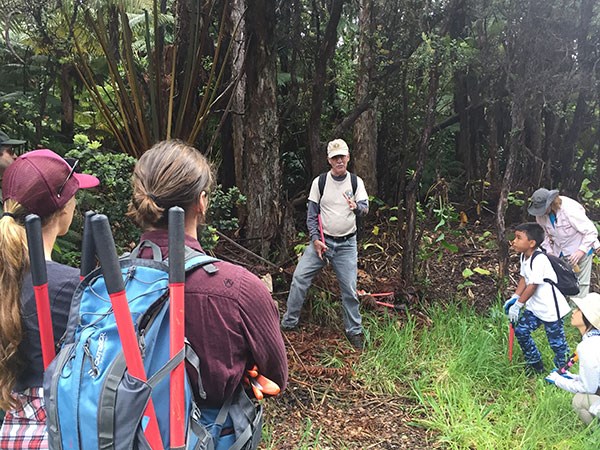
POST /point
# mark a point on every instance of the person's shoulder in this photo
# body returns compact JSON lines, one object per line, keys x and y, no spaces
{"x":62,"y":270}
{"x":228,"y":274}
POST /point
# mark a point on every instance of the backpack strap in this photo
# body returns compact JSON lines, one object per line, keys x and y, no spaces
{"x":323,"y":180}
{"x":156,"y":253}
{"x":547,"y":280}
{"x":195,"y":259}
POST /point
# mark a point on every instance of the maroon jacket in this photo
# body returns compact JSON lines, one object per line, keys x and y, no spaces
{"x":231,"y":322}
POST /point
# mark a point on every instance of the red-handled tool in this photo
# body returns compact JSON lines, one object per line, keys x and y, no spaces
{"x":88,"y":249}
{"x":321,"y":228}
{"x":39,"y":276}
{"x":107,"y":254}
{"x":511,"y":340}
{"x":177,"y":324}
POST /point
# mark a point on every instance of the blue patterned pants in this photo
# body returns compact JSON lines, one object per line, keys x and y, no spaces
{"x":555,"y":333}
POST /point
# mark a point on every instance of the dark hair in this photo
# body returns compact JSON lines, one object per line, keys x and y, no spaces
{"x":171,"y":173}
{"x":533,"y":231}
{"x":587,"y":323}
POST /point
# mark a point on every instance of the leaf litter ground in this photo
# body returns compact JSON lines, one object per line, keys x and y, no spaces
{"x":325,"y":406}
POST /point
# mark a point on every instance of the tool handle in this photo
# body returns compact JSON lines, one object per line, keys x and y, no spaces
{"x":176,"y":245}
{"x":107,"y":254}
{"x":88,"y":249}
{"x":37,"y":258}
{"x":39,"y":276}
{"x":177,"y":323}
{"x":321,"y":228}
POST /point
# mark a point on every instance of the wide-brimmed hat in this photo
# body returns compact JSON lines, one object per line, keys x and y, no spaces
{"x":43,"y":182}
{"x":5,"y":140}
{"x":541,"y":201}
{"x":590,"y":307}
{"x":337,"y":147}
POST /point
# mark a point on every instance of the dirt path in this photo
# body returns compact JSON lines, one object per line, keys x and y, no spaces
{"x":325,"y":407}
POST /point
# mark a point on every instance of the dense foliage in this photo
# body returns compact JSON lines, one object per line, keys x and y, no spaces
{"x":488,"y":99}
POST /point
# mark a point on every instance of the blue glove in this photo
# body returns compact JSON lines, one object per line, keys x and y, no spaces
{"x":511,"y":301}
{"x":514,"y":311}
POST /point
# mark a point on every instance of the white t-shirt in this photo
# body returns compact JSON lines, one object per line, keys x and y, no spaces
{"x":541,"y":303}
{"x":337,"y":218}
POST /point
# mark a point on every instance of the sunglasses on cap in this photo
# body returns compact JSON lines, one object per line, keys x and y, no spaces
{"x":73,"y":163}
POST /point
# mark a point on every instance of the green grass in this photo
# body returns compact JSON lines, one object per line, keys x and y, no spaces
{"x":458,"y":372}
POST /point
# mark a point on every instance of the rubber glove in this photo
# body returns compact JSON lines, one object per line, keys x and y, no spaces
{"x":511,"y":301}
{"x":514,"y":311}
{"x":552,"y":377}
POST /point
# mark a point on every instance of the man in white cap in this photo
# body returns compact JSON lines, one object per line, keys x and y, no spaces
{"x":335,"y":199}
{"x":570,"y":234}
{"x":586,"y":384}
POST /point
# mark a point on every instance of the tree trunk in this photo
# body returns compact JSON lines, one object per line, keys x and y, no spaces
{"x":412,"y":188}
{"x":317,"y":153}
{"x":365,"y":128}
{"x":67,"y":100}
{"x":238,"y":105}
{"x":516,"y":147}
{"x":261,"y":154}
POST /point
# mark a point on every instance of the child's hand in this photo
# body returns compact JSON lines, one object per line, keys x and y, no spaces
{"x":511,"y":301}
{"x":552,"y":377}
{"x":514,"y":311}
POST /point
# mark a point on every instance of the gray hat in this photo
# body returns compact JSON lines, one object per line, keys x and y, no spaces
{"x":5,"y":140}
{"x":541,"y":201}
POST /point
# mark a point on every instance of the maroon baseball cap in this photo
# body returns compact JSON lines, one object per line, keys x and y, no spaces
{"x":43,"y":182}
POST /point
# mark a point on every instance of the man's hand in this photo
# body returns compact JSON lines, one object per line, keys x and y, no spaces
{"x":320,"y":247}
{"x":514,"y":311}
{"x":351,"y":203}
{"x":575,"y":257}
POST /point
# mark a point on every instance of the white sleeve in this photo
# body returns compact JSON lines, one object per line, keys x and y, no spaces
{"x":361,"y":192}
{"x":314,"y":194}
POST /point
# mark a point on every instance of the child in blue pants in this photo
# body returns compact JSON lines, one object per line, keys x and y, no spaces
{"x":537,"y":296}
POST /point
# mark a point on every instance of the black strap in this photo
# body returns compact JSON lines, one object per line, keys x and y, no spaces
{"x":323,"y":180}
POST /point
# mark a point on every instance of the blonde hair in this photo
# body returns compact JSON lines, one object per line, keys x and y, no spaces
{"x":15,"y":263}
{"x":14,"y":254}
{"x":171,"y":173}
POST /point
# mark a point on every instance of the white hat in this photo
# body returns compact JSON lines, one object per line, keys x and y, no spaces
{"x":590,"y":308}
{"x":337,"y":147}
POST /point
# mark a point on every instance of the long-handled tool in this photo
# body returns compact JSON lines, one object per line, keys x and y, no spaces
{"x":88,"y":249}
{"x":362,"y":293}
{"x":177,"y":324}
{"x":511,"y":340}
{"x":572,"y":360}
{"x":39,"y":276}
{"x":107,"y":254}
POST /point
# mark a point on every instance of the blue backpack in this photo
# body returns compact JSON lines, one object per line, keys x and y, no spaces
{"x":91,"y":400}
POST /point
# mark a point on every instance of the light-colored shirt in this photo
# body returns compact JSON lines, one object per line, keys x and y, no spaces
{"x":541,"y":303}
{"x":337,"y":218}
{"x":588,"y":379}
{"x":572,"y":230}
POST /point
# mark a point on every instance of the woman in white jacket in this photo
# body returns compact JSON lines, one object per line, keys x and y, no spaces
{"x":570,"y":234}
{"x":586,"y":384}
